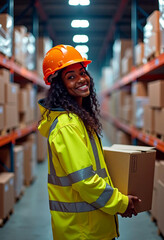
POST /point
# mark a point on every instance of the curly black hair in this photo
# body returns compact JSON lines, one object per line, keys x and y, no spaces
{"x":89,"y":112}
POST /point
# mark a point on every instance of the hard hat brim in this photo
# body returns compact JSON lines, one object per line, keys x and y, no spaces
{"x":85,"y":63}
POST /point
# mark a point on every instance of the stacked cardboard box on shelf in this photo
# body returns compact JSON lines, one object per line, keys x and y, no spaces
{"x":161,"y":19}
{"x":152,"y":35}
{"x":158,"y":195}
{"x":107,"y":78}
{"x":127,"y":61}
{"x":18,"y":170}
{"x":30,"y":159}
{"x":156,"y":103}
{"x":8,"y":101}
{"x":139,"y":54}
{"x":6,"y":194}
{"x":24,"y":47}
{"x":139,"y":100}
{"x":6,"y":34}
{"x":154,"y":211}
{"x":27,"y":105}
{"x":119,"y":48}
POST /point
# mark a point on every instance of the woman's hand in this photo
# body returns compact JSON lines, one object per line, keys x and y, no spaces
{"x":131,"y":209}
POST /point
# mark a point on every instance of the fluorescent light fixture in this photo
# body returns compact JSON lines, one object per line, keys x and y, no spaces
{"x":82,"y":48}
{"x":84,"y":2}
{"x":80,"y":38}
{"x":84,"y":55}
{"x":80,"y":23}
{"x":79,"y":2}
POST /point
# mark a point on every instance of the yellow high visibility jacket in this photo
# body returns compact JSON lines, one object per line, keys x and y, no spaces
{"x":83,"y":202}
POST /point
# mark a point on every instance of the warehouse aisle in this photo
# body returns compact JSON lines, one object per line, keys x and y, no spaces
{"x":31,"y":218}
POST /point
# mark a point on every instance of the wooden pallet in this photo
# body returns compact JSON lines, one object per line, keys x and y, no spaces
{"x":17,"y":199}
{"x":4,"y":220}
{"x":29,"y":182}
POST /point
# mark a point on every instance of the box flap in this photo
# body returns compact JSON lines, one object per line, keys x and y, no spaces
{"x":132,"y":147}
{"x":120,"y":150}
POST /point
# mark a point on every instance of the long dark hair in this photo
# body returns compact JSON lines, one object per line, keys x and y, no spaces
{"x":89,"y":112}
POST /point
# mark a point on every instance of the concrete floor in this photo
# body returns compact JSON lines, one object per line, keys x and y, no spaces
{"x":31,"y":218}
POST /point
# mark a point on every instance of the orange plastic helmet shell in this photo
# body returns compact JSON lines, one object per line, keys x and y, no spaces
{"x":60,"y":57}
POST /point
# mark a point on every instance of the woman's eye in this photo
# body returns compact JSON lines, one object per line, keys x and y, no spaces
{"x":71,"y":77}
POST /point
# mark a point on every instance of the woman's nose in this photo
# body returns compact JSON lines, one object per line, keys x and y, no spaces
{"x":81,"y":78}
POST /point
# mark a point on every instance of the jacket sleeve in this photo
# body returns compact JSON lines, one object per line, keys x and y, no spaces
{"x":75,"y":159}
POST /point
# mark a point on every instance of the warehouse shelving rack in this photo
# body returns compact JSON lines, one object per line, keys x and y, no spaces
{"x":20,"y":73}
{"x":150,"y":71}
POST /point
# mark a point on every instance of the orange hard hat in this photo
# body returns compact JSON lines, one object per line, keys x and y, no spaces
{"x":60,"y":57}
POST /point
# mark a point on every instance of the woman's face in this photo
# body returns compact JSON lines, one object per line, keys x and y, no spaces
{"x":76,"y":81}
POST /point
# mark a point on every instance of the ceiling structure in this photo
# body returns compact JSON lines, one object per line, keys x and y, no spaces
{"x":108,"y":19}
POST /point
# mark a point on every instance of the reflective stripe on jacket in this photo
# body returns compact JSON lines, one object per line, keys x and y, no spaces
{"x":82,"y":199}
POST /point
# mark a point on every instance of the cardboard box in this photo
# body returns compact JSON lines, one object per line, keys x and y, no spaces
{"x":11,"y":93}
{"x":156,"y":173}
{"x":155,"y":93}
{"x":139,"y":89}
{"x":160,"y":208}
{"x":149,"y":119}
{"x":5,"y":75}
{"x":30,"y":159}
{"x":161,"y":171}
{"x":138,"y":110}
{"x":152,"y":44}
{"x":6,"y":194}
{"x":139,"y":53}
{"x":22,"y":103}
{"x":132,"y":171}
{"x":153,"y":21}
{"x":127,"y":63}
{"x":2,"y":88}
{"x":158,"y":121}
{"x":11,"y":116}
{"x":18,"y":170}
{"x":154,"y":208}
{"x":6,"y":33}
{"x":1,"y":117}
{"x":119,"y":48}
{"x":127,"y":113}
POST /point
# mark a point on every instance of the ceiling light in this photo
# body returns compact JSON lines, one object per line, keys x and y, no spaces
{"x":84,"y":55}
{"x":82,"y":48}
{"x":79,"y":2}
{"x":80,"y":38}
{"x":80,"y":23}
{"x":84,"y":2}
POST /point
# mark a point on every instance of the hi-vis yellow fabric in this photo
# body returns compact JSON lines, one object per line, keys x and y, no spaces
{"x":83,"y":202}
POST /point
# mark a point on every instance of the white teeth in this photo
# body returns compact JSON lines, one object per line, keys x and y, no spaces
{"x":83,"y":87}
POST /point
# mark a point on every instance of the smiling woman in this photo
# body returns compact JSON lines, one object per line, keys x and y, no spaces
{"x":82,"y":199}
